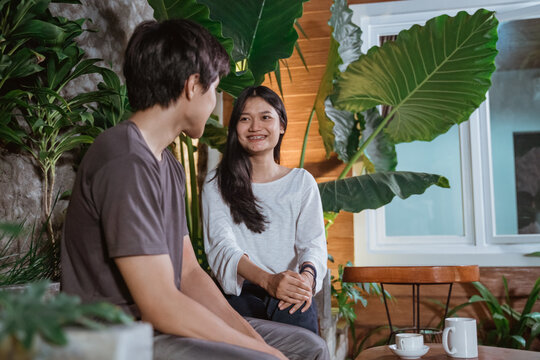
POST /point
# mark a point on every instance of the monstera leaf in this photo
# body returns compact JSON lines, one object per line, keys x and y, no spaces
{"x":345,"y":43}
{"x":372,"y":191}
{"x":433,"y":76}
{"x":256,"y":33}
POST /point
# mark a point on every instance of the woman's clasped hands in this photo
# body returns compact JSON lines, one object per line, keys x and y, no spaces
{"x":291,"y":288}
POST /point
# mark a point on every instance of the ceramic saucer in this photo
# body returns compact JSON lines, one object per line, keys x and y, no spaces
{"x":409,"y":354}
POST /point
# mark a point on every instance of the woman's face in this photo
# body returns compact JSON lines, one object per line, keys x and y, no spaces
{"x":259,"y":127}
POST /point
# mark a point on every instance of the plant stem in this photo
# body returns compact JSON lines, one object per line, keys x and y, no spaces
{"x":194,"y":194}
{"x":304,"y":144}
{"x":183,"y":162}
{"x":364,"y":145}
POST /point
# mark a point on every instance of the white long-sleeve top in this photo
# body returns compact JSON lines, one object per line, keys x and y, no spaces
{"x":294,"y":233}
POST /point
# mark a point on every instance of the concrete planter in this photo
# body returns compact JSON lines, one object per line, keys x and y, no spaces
{"x":117,"y":342}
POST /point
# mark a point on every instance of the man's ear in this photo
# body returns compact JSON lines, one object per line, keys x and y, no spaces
{"x":190,"y":85}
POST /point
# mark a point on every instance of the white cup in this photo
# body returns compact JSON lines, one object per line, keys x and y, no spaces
{"x":459,"y":337}
{"x":408,"y":342}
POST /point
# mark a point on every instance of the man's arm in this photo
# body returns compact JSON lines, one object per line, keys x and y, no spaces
{"x":150,"y":279}
{"x":198,"y":285}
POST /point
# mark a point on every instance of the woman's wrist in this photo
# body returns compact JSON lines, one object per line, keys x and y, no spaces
{"x":312,"y":271}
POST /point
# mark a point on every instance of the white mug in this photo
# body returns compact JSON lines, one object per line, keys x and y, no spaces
{"x":407,"y":342}
{"x":459,"y":337}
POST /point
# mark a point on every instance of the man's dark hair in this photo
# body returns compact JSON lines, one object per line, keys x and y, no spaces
{"x":160,"y":57}
{"x":234,"y":171}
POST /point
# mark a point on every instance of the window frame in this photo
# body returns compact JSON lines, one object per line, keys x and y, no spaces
{"x":480,"y":244}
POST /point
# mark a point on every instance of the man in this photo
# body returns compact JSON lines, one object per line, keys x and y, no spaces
{"x":125,"y":235}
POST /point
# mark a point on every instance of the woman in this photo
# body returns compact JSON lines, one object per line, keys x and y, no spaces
{"x":264,"y":229}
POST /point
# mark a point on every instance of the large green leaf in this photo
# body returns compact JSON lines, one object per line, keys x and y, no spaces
{"x":381,"y":152}
{"x":41,"y":30}
{"x":433,"y":76}
{"x":372,"y":191}
{"x":325,"y":88}
{"x":233,"y":83}
{"x":215,"y":135}
{"x":345,"y":131}
{"x":262,"y":30}
{"x":345,"y":43}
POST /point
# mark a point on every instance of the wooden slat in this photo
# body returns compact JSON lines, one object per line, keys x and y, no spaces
{"x":315,"y":24}
{"x":412,"y":274}
{"x":315,"y":53}
{"x":317,"y":6}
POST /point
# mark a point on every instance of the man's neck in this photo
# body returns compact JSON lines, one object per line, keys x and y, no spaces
{"x":158,"y":126}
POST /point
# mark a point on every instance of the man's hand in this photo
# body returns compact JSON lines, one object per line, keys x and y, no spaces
{"x":288,"y":286}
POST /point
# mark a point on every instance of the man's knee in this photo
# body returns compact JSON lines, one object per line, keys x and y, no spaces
{"x":316,"y":347}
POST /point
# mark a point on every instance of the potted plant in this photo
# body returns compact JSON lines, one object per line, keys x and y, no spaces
{"x":34,"y":323}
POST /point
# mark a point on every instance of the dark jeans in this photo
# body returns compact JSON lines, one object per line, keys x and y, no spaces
{"x":255,"y":302}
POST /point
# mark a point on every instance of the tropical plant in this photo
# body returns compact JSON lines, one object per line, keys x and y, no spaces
{"x":431,"y":78}
{"x":32,"y":313}
{"x":25,"y":256}
{"x":507,"y":327}
{"x":40,"y":58}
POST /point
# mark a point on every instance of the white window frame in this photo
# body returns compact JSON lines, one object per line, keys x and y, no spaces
{"x":479,"y":245}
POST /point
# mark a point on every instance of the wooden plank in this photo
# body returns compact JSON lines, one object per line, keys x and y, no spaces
{"x":303,"y":82}
{"x":315,"y":53}
{"x":315,"y":24}
{"x":317,"y":6}
{"x":413,"y":274}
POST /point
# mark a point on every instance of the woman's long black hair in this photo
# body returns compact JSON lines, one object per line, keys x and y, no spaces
{"x":234,"y":171}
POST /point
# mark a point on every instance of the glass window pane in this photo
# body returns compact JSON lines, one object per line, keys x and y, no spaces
{"x":438,"y":211}
{"x":514,"y":101}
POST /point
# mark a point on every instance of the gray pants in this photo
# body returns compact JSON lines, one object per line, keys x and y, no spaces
{"x":294,"y":342}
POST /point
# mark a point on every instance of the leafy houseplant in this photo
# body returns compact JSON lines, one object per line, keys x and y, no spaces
{"x":27,"y":315}
{"x":507,"y":327}
{"x":40,"y":58}
{"x":431,"y":78}
{"x":24,"y":261}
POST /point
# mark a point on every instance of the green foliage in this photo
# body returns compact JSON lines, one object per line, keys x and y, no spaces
{"x":32,"y":313}
{"x":345,"y":43}
{"x":433,"y":76}
{"x":371,"y":191}
{"x":507,"y":326}
{"x":25,"y":256}
{"x":39,"y":58}
{"x":215,"y":135}
{"x":256,"y":34}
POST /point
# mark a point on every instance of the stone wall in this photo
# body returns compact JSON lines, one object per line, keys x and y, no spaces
{"x":112,"y":23}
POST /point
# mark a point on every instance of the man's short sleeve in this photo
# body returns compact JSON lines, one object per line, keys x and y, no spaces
{"x":128,"y":196}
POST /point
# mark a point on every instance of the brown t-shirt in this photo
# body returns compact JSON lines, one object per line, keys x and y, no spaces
{"x":124,"y":203}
